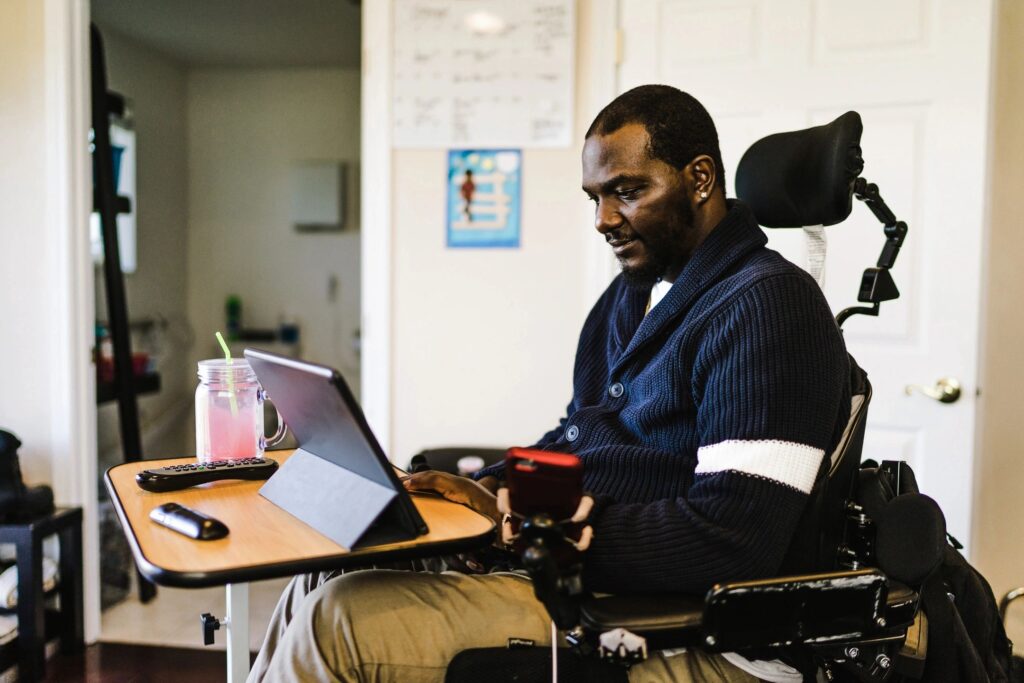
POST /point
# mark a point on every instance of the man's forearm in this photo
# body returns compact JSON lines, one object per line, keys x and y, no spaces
{"x":686,"y":545}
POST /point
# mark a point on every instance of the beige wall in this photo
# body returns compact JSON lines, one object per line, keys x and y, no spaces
{"x":25,"y":250}
{"x":999,"y":513}
{"x":156,"y":87}
{"x":245,"y":129}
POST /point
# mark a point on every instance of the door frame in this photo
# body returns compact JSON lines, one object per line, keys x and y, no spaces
{"x":599,"y":27}
{"x":376,"y":261}
{"x":68,"y":179}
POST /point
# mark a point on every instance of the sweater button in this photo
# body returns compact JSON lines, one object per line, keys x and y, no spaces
{"x":572,"y":433}
{"x":616,"y":390}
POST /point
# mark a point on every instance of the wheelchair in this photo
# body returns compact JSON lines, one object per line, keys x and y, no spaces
{"x":847,"y":605}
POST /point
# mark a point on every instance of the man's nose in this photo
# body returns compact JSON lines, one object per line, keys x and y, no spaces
{"x":606,"y":218}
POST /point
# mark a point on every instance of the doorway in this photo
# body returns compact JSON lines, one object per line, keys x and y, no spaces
{"x":239,"y":111}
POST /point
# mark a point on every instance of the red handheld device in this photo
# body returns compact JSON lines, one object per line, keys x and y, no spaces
{"x":543,"y":482}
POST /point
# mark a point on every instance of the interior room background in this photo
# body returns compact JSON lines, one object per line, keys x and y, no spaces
{"x":480,"y":343}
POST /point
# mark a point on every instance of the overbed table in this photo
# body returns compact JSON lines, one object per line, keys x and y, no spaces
{"x":264,"y":542}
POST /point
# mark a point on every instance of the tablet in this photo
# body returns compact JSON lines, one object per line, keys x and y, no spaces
{"x":339,"y":480}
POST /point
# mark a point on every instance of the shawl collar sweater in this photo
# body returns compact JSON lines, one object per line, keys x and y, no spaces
{"x":704,"y":424}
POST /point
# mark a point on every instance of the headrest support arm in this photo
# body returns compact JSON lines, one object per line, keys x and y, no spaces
{"x":876,"y":285}
{"x":809,"y":177}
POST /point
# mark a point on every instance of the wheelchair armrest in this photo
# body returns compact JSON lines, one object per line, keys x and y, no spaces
{"x":664,"y":620}
{"x":809,"y":609}
{"x":783,"y":611}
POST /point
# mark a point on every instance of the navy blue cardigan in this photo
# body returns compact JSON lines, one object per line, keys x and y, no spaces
{"x":703,"y":425}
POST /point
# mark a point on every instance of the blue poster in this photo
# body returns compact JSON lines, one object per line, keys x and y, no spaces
{"x":483,"y":197}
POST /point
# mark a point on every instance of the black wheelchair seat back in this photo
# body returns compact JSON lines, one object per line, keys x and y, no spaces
{"x":819,"y":532}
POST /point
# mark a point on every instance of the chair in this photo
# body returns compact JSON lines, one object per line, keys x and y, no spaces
{"x":447,"y":459}
{"x":834,"y":608}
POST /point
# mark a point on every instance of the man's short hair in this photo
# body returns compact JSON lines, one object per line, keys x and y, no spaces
{"x":679,"y":126}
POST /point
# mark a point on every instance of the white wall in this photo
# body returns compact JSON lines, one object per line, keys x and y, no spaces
{"x":26,"y":288}
{"x":998,"y":513}
{"x":156,"y":87}
{"x":245,"y":128}
{"x":484,"y":339}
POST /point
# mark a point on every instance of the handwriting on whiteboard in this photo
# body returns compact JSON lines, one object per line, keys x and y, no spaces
{"x":483,"y":73}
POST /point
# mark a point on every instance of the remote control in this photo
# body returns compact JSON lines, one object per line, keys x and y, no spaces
{"x":188,"y":522}
{"x":177,"y":477}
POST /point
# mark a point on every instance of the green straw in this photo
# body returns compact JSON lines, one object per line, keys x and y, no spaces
{"x":231,"y":376}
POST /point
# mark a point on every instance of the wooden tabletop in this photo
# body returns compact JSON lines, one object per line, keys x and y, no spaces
{"x":265,"y":541}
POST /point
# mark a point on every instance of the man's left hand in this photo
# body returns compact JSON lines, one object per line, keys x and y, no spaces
{"x":456,"y":489}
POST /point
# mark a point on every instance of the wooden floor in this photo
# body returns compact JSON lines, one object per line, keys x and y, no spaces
{"x":119,"y":663}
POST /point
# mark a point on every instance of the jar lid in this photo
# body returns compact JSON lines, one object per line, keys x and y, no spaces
{"x":223,"y":370}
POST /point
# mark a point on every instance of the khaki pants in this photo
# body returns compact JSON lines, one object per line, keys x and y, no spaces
{"x":385,"y":625}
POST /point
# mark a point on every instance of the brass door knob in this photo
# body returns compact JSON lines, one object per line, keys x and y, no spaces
{"x":946,"y":390}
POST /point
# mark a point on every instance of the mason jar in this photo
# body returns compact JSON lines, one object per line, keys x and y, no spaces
{"x":229,"y":412}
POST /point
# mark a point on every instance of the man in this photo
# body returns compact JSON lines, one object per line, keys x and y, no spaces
{"x":710,"y":381}
{"x":466,"y":190}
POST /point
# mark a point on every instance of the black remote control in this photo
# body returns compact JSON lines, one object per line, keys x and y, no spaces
{"x":188,"y":522}
{"x":177,"y":477}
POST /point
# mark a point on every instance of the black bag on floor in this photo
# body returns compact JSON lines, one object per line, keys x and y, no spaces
{"x":966,"y":638}
{"x":18,"y":502}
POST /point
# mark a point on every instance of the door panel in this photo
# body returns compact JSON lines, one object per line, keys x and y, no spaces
{"x":918,"y":73}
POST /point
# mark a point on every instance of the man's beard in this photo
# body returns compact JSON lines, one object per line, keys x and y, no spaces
{"x":664,"y":252}
{"x":645,"y":274}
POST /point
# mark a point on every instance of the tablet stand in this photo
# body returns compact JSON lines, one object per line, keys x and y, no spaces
{"x":337,"y":502}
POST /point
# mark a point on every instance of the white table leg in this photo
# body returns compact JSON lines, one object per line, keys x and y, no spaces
{"x":238,"y":632}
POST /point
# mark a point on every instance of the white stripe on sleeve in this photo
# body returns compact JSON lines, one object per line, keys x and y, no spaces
{"x":786,"y":462}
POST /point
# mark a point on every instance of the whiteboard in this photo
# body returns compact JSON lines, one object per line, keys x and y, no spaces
{"x":483,"y":73}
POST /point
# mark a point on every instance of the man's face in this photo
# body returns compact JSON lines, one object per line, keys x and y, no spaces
{"x":642,"y":206}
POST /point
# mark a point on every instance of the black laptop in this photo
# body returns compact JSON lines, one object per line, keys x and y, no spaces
{"x":338,"y":480}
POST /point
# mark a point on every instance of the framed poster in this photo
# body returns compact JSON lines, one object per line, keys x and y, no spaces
{"x":484,"y":188}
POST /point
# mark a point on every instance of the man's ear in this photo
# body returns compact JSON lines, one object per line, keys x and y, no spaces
{"x":702,"y":175}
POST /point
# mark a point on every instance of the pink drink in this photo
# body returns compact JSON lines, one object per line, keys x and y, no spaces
{"x":233,"y":437}
{"x":229,"y":412}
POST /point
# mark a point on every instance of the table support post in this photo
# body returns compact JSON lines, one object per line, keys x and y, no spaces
{"x":238,"y":632}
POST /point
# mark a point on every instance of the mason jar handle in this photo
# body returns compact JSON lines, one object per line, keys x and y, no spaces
{"x":282,"y":427}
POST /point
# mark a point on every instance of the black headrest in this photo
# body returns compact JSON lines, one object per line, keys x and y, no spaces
{"x":804,"y":177}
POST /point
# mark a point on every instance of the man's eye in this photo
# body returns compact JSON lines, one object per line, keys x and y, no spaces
{"x":629,"y":193}
{"x":592,"y":198}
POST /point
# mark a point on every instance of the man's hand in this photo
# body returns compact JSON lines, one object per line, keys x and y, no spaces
{"x":489,"y":483}
{"x":458,"y":490}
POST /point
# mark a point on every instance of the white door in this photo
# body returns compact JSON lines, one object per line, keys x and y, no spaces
{"x":918,"y":73}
